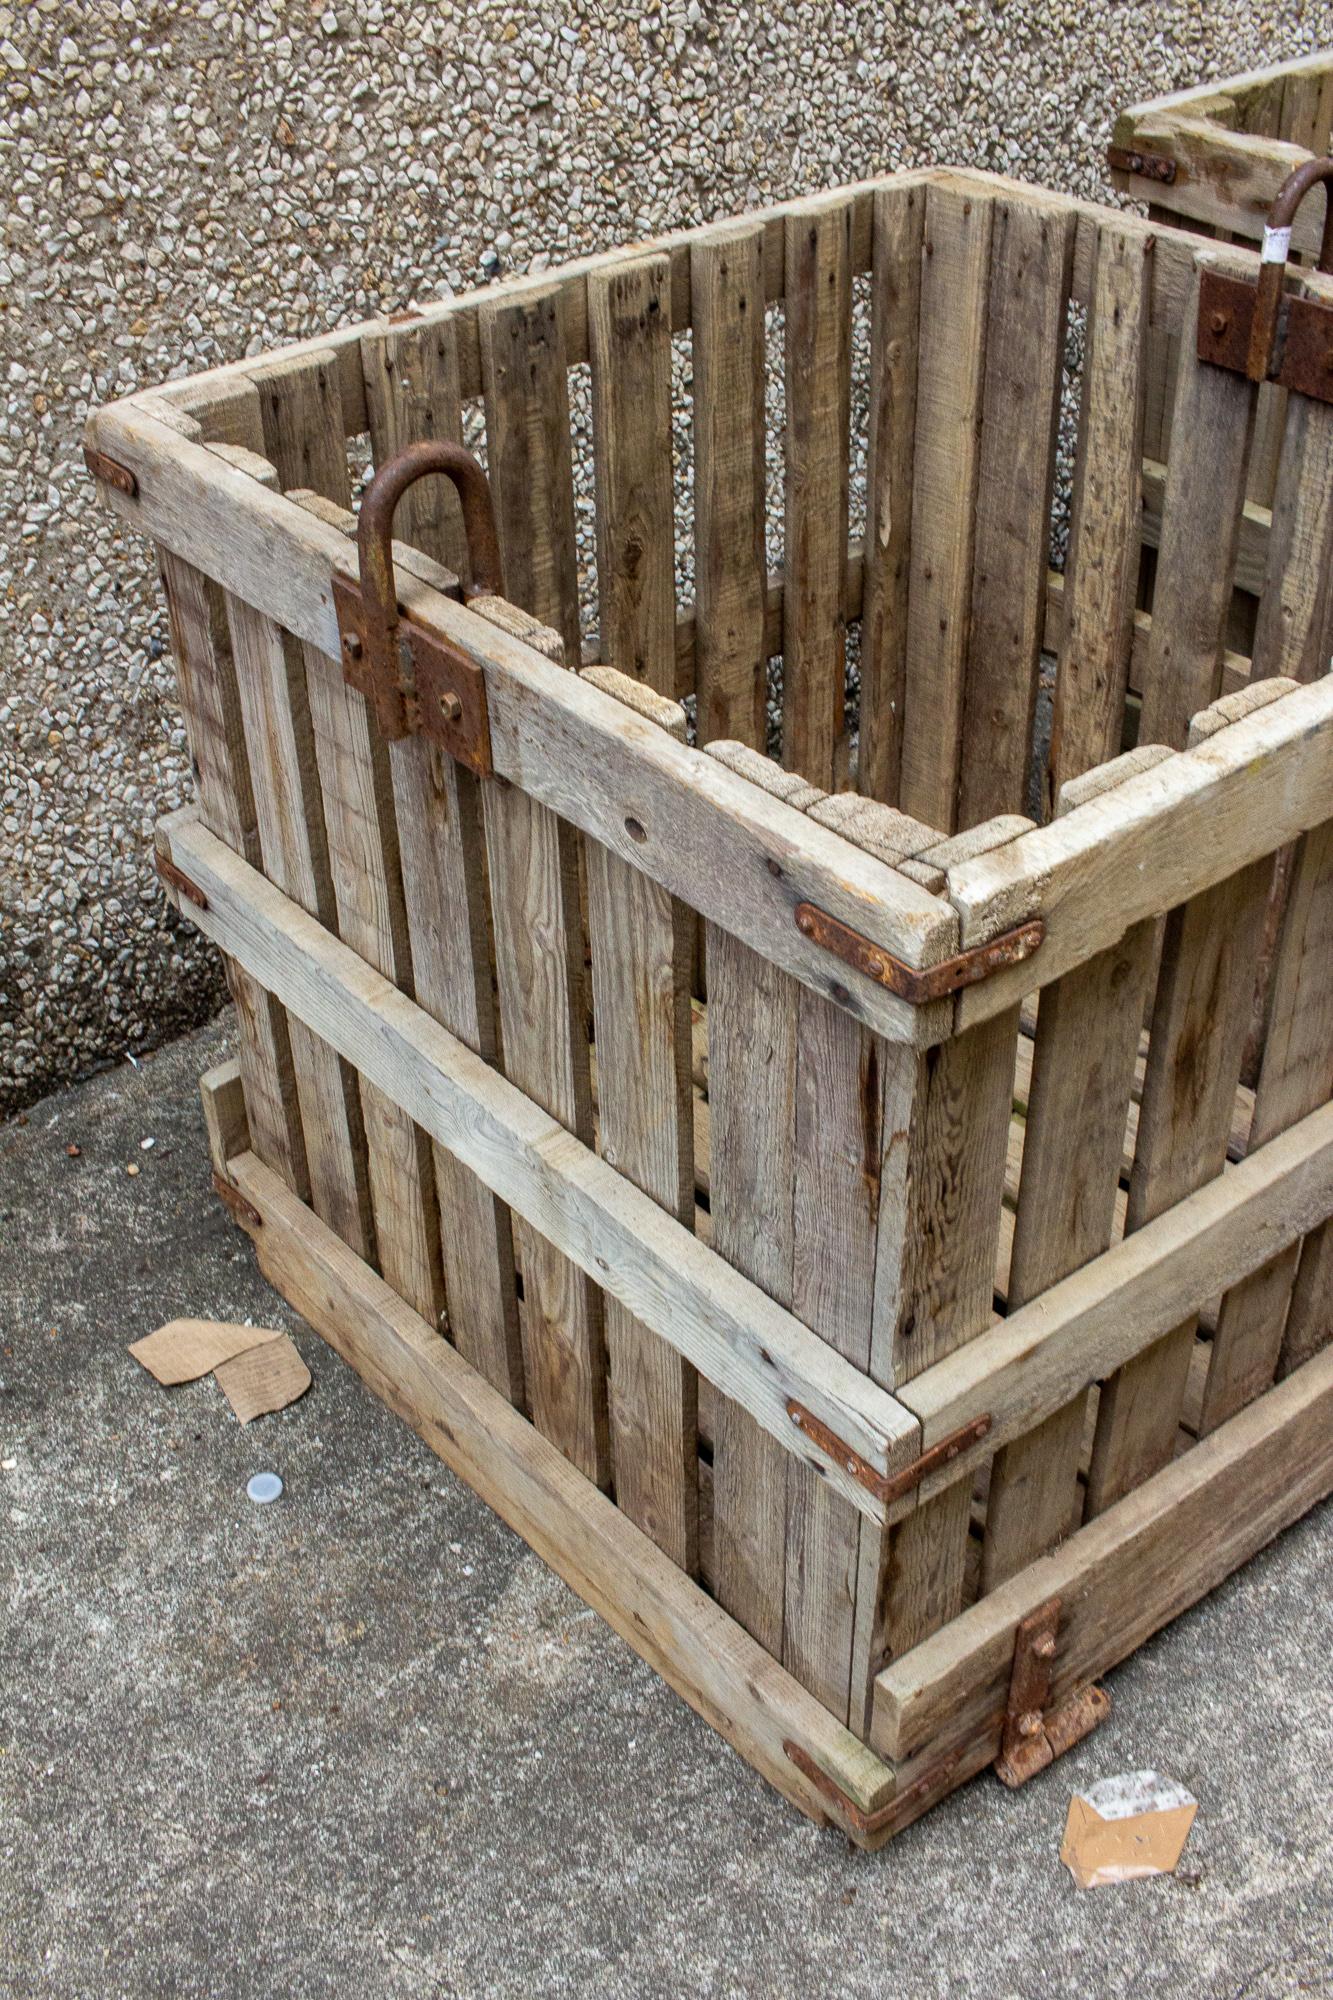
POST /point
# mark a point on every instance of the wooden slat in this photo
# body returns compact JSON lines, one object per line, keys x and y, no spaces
{"x":1200,"y":1020}
{"x":818,"y":293}
{"x":725,"y":1327}
{"x":1212,"y":424}
{"x":894,"y":319}
{"x":641,"y":943}
{"x":528,"y":458}
{"x":727,"y":289}
{"x":300,"y":405}
{"x":363,"y":858}
{"x":1295,"y":1078}
{"x":412,"y":394}
{"x":1032,"y":250}
{"x":950,"y":365}
{"x":665,"y":1617}
{"x":1121,"y":1578}
{"x":1294,"y":632}
{"x":1103,"y":563}
{"x":210,"y":703}
{"x":945,"y":1123}
{"x":752,"y":1067}
{"x":290,"y":820}
{"x":629,"y":338}
{"x":1083,"y":1069}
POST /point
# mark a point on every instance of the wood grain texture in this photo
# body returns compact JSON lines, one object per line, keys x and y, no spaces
{"x":899,"y":220}
{"x":1205,"y":492}
{"x":1294,"y":632}
{"x":818,"y":291}
{"x":640,"y":973}
{"x":949,"y":377}
{"x":1199,"y":1024}
{"x":727,"y":289}
{"x":1083,"y":1065}
{"x":528,"y":458}
{"x":629,"y":339}
{"x":1032,"y":251}
{"x":210,"y":703}
{"x":1102,"y":570}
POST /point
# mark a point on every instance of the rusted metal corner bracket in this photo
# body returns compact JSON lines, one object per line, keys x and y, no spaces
{"x":243,"y":1211}
{"x":1148,"y":166}
{"x":918,"y":984}
{"x":1035,"y":1733}
{"x":110,"y":470}
{"x":887,"y":1486}
{"x":177,"y":879}
{"x":854,"y":1818}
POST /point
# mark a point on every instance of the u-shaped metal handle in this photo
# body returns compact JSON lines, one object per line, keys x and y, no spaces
{"x":374,"y":538}
{"x":1276,"y":249}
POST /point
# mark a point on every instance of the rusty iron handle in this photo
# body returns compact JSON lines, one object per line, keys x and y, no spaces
{"x":374,"y":539}
{"x":1273,"y":268}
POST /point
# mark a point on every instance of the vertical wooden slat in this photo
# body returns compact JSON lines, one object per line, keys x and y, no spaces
{"x":752,"y":1024}
{"x":528,"y":457}
{"x":1212,"y":425}
{"x":1082,"y":1073}
{"x":210,"y":702}
{"x":1199,"y":1023}
{"x":727,"y":306}
{"x":412,"y":394}
{"x":641,"y":946}
{"x":1295,"y":1078}
{"x":411,"y":378}
{"x":1294,"y":632}
{"x":1103,"y":563}
{"x":279,"y":739}
{"x":950,"y":367}
{"x":532,"y":859}
{"x":629,"y":339}
{"x":946,"y":1125}
{"x":1032,"y":249}
{"x":363,"y":859}
{"x":899,"y":219}
{"x":301,"y":407}
{"x":818,"y":377}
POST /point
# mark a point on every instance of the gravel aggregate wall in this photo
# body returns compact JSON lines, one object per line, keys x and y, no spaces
{"x":185,"y":184}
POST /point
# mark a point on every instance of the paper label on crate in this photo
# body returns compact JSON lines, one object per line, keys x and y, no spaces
{"x":1277,"y":246}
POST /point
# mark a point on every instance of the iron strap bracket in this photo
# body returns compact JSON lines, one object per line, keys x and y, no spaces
{"x":1035,"y":1732}
{"x":887,"y":1486}
{"x":426,"y":686}
{"x":109,"y":469}
{"x":244,"y":1211}
{"x":177,"y":879}
{"x":1148,"y":166}
{"x":1301,"y":355}
{"x":918,"y":985}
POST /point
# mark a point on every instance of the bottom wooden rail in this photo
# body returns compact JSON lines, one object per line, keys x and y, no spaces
{"x":939,"y":1711}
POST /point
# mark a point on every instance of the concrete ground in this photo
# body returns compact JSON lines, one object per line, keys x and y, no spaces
{"x":363,"y":1742}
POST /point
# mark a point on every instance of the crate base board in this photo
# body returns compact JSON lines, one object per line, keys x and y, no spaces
{"x":725,"y":1676}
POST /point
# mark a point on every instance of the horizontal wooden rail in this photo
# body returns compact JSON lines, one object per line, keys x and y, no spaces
{"x":720,"y":843}
{"x":756,"y":1353}
{"x":1223,"y":178}
{"x":667,"y":1619}
{"x":1091,"y":1323}
{"x":1149,"y":844}
{"x":1121,"y":1578}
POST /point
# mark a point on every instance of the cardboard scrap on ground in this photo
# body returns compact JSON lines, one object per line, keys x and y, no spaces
{"x":257,"y":1368}
{"x":1125,"y":1827}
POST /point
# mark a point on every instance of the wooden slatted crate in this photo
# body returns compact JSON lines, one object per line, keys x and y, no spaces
{"x":818,"y":1201}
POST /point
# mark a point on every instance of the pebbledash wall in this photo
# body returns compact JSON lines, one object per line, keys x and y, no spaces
{"x":190,"y":183}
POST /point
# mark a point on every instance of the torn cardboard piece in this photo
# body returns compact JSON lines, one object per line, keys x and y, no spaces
{"x":263,"y":1379}
{"x":1126,"y":1827}
{"x":258,"y":1368}
{"x":185,"y":1349}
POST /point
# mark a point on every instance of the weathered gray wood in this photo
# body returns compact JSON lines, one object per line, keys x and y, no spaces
{"x":412,"y":394}
{"x":950,"y":365}
{"x":894,"y":318}
{"x":818,"y":290}
{"x":727,"y":289}
{"x":755,"y":1353}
